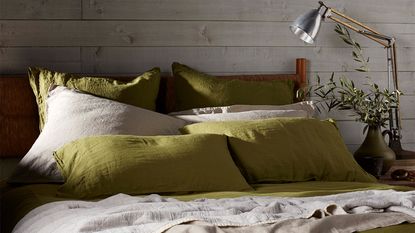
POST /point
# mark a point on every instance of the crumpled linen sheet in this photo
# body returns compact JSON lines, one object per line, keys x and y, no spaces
{"x":345,"y":212}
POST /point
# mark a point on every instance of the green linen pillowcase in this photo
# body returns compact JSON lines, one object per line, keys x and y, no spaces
{"x":106,"y":165}
{"x":142,"y":91}
{"x":287,"y":150}
{"x":194,"y":89}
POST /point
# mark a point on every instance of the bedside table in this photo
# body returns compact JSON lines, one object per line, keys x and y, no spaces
{"x":407,"y":164}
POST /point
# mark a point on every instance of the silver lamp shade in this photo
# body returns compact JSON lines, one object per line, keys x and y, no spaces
{"x":306,"y":26}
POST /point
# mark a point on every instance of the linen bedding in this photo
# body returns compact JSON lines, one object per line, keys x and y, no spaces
{"x":325,"y":204}
{"x":19,"y":201}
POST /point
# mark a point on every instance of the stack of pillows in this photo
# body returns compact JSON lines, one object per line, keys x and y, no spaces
{"x":100,"y":136}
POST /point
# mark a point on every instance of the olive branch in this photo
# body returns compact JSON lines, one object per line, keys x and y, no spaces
{"x":371,"y":106}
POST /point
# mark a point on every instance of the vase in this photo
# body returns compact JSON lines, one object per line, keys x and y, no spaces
{"x":374,"y":145}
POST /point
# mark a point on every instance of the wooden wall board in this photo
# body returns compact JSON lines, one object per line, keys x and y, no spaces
{"x":178,"y":33}
{"x":35,"y":9}
{"x":16,"y":60}
{"x":209,"y":59}
{"x":245,"y":10}
{"x":237,"y":59}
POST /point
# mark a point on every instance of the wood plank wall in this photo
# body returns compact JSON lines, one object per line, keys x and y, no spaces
{"x":215,"y":36}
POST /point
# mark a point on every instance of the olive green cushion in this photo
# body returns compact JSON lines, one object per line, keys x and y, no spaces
{"x":106,"y":165}
{"x":194,"y":89}
{"x":287,"y":150}
{"x":142,"y":91}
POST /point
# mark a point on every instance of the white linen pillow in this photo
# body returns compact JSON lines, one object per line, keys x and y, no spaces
{"x":307,"y":106}
{"x":247,"y":115}
{"x":72,"y":115}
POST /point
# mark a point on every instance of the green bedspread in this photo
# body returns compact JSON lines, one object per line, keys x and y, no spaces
{"x":18,"y":201}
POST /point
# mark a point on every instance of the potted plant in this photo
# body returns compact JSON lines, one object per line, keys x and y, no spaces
{"x":370,"y":105}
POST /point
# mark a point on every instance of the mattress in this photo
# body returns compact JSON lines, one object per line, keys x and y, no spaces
{"x":16,"y":202}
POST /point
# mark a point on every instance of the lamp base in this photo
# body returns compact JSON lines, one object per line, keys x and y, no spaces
{"x":400,"y":153}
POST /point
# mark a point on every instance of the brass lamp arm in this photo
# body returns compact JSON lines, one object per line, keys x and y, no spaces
{"x":390,"y":40}
{"x":367,"y":32}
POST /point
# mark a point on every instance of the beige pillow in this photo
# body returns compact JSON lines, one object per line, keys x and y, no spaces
{"x":72,"y":115}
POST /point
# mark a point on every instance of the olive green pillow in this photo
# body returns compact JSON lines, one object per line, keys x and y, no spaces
{"x":194,"y":89}
{"x":287,"y":150}
{"x":106,"y":165}
{"x":142,"y":91}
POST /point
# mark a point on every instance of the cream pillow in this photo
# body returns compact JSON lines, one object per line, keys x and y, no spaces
{"x":247,"y":115}
{"x":305,"y":109}
{"x":307,"y":106}
{"x":72,"y":115}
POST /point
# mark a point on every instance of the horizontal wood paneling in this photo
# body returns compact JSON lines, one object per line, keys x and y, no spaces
{"x":36,"y":9}
{"x":176,"y":33}
{"x":261,"y":10}
{"x":236,"y":10}
{"x":401,"y":11}
{"x":207,"y":59}
{"x":17,"y":60}
{"x":218,"y":37}
{"x":226,"y":59}
{"x":234,"y":59}
{"x":222,"y":60}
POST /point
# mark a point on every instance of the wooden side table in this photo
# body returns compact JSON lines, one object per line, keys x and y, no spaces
{"x":407,"y":164}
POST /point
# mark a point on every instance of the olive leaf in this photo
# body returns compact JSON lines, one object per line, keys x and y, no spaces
{"x":370,"y":106}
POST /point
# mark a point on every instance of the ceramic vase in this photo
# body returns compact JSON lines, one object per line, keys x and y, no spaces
{"x":374,"y":145}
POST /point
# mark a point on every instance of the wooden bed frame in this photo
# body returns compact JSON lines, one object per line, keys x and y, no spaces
{"x":19,"y":126}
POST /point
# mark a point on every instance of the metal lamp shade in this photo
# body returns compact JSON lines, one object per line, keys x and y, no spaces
{"x":307,"y":26}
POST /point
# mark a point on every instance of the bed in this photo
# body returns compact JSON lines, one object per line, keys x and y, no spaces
{"x":49,"y":206}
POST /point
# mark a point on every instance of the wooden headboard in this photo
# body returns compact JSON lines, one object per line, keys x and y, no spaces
{"x":19,"y":117}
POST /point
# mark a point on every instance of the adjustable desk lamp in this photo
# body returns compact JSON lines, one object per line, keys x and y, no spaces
{"x":306,"y":27}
